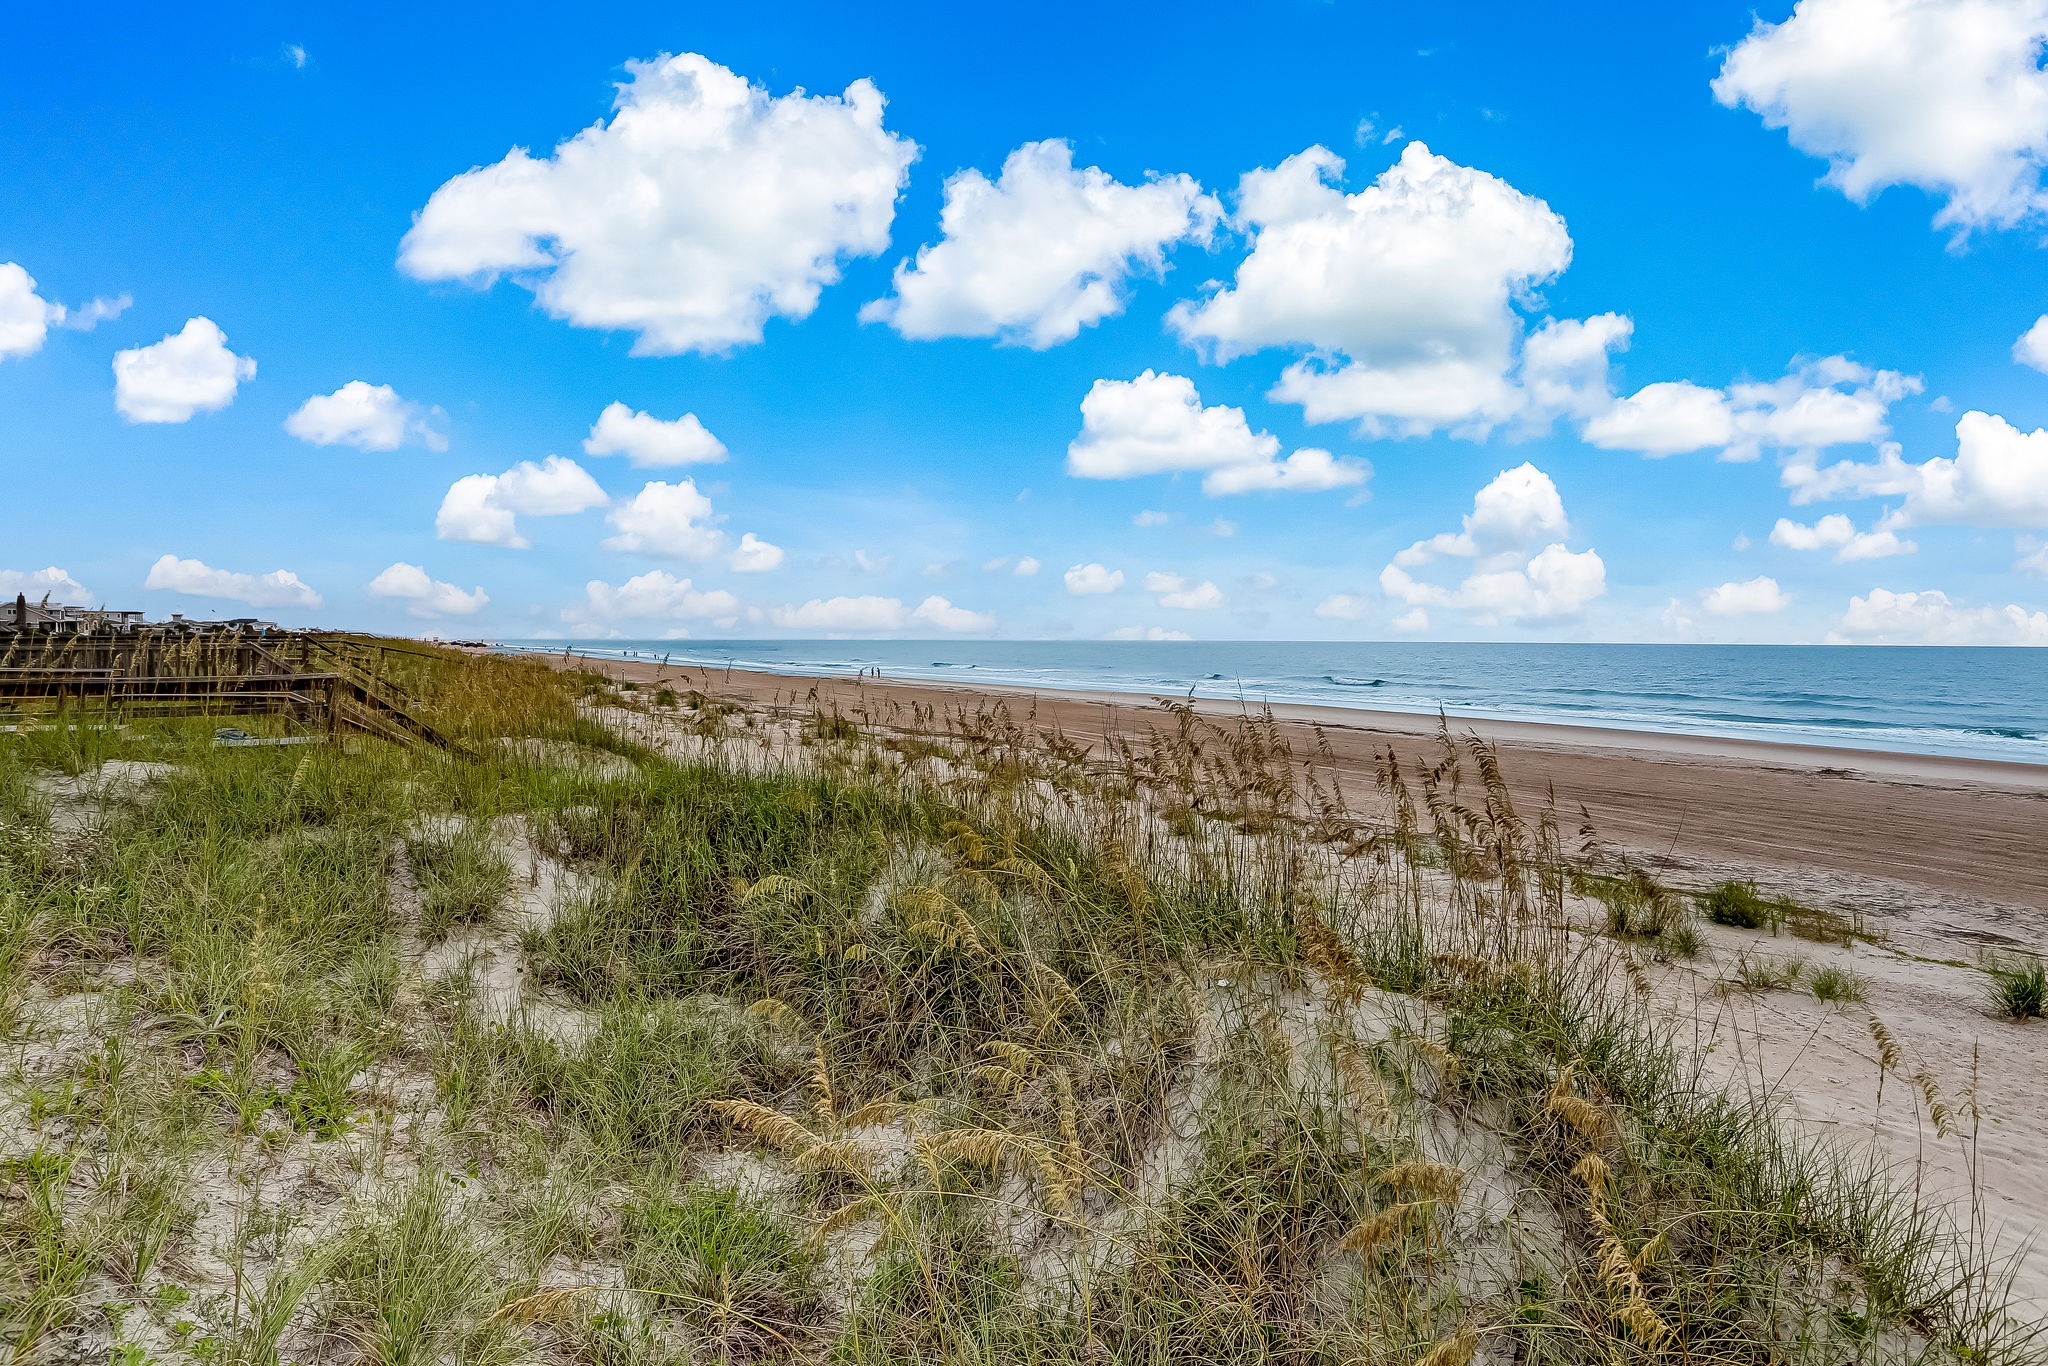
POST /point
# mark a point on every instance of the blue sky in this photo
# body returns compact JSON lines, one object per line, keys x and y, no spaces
{"x":1573,"y":261}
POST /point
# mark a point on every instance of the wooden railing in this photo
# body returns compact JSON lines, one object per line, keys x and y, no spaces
{"x":329,"y":682}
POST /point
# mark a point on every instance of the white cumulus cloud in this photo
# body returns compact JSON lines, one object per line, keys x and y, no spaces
{"x":1946,"y":95}
{"x":1837,"y":533}
{"x":658,"y":594}
{"x":1831,"y":401}
{"x":485,"y":508}
{"x":370,"y":417}
{"x":1151,"y":633}
{"x":1565,"y":365}
{"x":429,"y":597}
{"x":1521,"y":567}
{"x":673,"y":520}
{"x":37,"y":584}
{"x":1042,"y":251}
{"x":2031,"y":349}
{"x":1156,"y":424}
{"x":1344,"y":607}
{"x":1088,"y":580}
{"x":278,"y":588}
{"x":1666,"y":418}
{"x":650,"y":442}
{"x":26,"y":317}
{"x":1308,"y":470}
{"x":1183,"y":593}
{"x":1931,"y":617}
{"x":754,"y":556}
{"x":703,"y":207}
{"x":1750,"y":597}
{"x":1404,"y":292}
{"x":189,"y":371}
{"x":873,"y":614}
{"x":1998,"y":478}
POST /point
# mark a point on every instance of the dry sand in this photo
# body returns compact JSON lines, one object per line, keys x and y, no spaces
{"x":1938,"y":858}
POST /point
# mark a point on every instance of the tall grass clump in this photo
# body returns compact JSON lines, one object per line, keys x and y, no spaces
{"x":2019,"y":987}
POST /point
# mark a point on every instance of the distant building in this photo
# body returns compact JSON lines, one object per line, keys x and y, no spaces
{"x":50,"y":618}
{"x":59,"y":619}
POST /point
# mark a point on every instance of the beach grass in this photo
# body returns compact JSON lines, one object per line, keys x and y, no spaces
{"x":644,"y":1032}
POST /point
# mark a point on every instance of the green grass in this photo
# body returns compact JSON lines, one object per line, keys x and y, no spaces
{"x":2019,"y":987}
{"x":971,"y":1047}
{"x":1835,"y":985}
{"x":1740,"y":905}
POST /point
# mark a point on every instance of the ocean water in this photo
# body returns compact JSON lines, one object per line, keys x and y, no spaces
{"x":1979,"y":702}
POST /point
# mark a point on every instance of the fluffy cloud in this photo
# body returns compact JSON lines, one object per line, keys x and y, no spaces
{"x":1041,"y":252}
{"x":1565,"y":365}
{"x":754,"y":556}
{"x":370,"y":417}
{"x":666,"y":519}
{"x":1933,"y":618}
{"x":944,"y":615}
{"x":2033,"y":557}
{"x":35,"y":585}
{"x":1088,"y":580}
{"x":1667,"y":418}
{"x":278,"y":588}
{"x":1832,"y":401}
{"x":659,"y":594}
{"x":1999,"y":477}
{"x":190,"y":371}
{"x":651,"y":443}
{"x":1511,"y":578}
{"x":1344,"y":607}
{"x":1829,"y":402}
{"x":1308,"y":470}
{"x":1184,"y":593}
{"x":1156,"y":424}
{"x":702,"y":208}
{"x":1151,"y":633}
{"x":484,"y":508}
{"x":26,"y":317}
{"x":429,"y":597}
{"x":1750,"y":597}
{"x":1403,"y":291}
{"x":2032,"y":348}
{"x":870,"y":614}
{"x":1414,"y":619}
{"x":1947,"y":95}
{"x":1837,"y":533}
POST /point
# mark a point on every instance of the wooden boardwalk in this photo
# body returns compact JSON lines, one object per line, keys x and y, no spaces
{"x":333,"y":683}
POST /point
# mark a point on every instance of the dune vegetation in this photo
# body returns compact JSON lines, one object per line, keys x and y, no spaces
{"x":656,"y":1029}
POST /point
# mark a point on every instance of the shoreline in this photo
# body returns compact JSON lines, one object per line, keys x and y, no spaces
{"x":1947,"y":853}
{"x":1521,"y":731}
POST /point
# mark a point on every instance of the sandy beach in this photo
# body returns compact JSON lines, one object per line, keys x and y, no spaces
{"x":1943,"y":855}
{"x":1936,"y":860}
